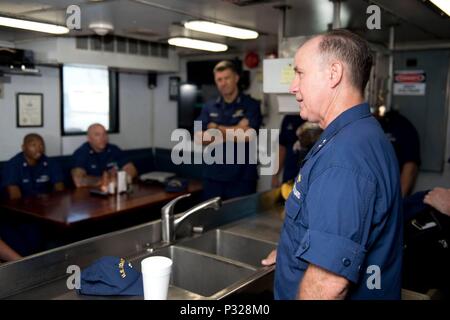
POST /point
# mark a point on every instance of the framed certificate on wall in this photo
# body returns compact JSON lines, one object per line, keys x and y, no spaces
{"x":30,"y":111}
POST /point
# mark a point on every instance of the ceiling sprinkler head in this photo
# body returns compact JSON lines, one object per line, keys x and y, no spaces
{"x":101,"y":28}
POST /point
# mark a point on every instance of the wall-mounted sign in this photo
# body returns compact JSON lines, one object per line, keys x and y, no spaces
{"x":174,"y":88}
{"x":409,"y":83}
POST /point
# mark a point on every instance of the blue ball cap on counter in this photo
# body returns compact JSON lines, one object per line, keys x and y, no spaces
{"x":110,"y":276}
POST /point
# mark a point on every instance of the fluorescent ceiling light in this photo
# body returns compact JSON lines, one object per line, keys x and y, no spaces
{"x":197,"y":44}
{"x":444,"y":5}
{"x":221,"y":29}
{"x":33,"y":26}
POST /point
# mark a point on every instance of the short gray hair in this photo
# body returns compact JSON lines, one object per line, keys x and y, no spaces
{"x":224,"y":65}
{"x":351,"y":49}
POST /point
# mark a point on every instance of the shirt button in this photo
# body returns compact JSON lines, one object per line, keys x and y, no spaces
{"x":346,"y":262}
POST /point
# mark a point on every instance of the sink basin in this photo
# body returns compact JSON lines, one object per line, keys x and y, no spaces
{"x":199,"y":273}
{"x":231,"y":246}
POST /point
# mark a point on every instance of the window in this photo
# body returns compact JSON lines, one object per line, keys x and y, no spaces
{"x":89,"y":96}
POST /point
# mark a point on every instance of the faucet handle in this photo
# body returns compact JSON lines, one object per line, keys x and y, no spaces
{"x":168,"y":208}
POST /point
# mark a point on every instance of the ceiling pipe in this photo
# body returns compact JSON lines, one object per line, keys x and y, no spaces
{"x":391,"y":67}
{"x":281,"y":24}
{"x":421,"y":46}
{"x":336,"y":14}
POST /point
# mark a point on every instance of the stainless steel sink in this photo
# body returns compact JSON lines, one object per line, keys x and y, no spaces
{"x":200,"y":273}
{"x":231,"y":246}
{"x":224,"y":264}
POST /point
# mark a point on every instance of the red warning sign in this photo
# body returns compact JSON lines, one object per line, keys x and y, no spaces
{"x":409,"y":83}
{"x":410,"y":77}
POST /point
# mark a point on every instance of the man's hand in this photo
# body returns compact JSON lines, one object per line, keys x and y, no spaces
{"x":244,"y":123}
{"x":205,"y":138}
{"x":270,"y":259}
{"x":59,"y":186}
{"x":81,"y":179}
{"x":212,"y":125}
{"x":14,"y":192}
{"x":439,"y":198}
{"x":130,"y":169}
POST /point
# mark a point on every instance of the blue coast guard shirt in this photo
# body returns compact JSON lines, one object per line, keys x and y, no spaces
{"x":229,"y":114}
{"x":344,"y":213}
{"x":31,"y":180}
{"x":95,"y":163}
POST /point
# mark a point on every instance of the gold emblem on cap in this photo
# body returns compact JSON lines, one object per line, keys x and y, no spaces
{"x":121,"y":268}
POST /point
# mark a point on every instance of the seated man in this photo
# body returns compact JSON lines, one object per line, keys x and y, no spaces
{"x":97,"y":156}
{"x":7,"y":253}
{"x":30,"y":172}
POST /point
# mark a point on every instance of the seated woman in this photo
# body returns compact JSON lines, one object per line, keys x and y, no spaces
{"x":30,"y":172}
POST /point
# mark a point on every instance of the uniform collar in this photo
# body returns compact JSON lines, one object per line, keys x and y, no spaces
{"x":354,"y":113}
{"x":92,"y":151}
{"x":42,"y":161}
{"x":220,"y":99}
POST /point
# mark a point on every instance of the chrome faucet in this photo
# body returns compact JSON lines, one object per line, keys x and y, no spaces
{"x":169,"y":223}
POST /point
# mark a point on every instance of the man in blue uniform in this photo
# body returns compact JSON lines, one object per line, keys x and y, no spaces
{"x":288,"y":158}
{"x":30,"y":172}
{"x":405,"y":139}
{"x":97,"y":156}
{"x":231,"y":111}
{"x":342,"y":235}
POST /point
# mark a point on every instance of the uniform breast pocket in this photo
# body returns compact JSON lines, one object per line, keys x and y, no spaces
{"x":295,"y":207}
{"x":294,"y":231}
{"x":239,"y":114}
{"x":43,"y":179}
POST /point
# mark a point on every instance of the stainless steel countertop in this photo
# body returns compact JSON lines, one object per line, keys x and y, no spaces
{"x":44,"y":276}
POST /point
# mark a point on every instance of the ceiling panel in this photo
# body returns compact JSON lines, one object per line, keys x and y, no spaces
{"x":413,"y":20}
{"x":159,"y":18}
{"x":416,"y":13}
